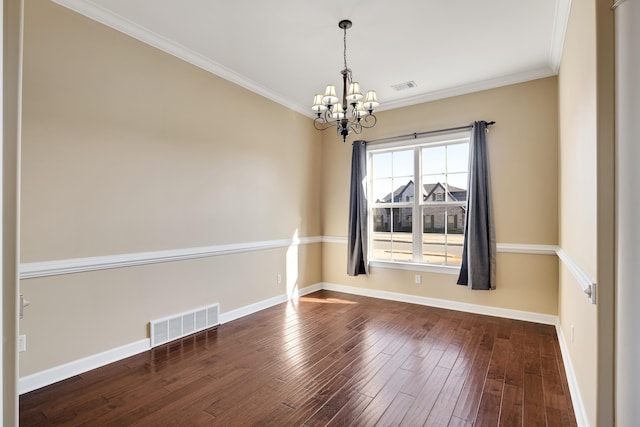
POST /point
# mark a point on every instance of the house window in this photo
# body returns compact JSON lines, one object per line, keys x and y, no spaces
{"x":418,"y":189}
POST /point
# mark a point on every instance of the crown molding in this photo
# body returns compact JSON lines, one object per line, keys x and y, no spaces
{"x":103,"y":16}
{"x":506,"y":80}
{"x":560,"y":23}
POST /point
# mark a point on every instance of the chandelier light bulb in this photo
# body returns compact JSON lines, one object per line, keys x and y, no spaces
{"x":371,"y":101}
{"x":353,"y":94}
{"x":330,"y":97}
{"x":337,"y":112}
{"x":318,"y":105}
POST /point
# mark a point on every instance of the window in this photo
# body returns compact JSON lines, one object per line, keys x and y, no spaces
{"x":417,"y":200}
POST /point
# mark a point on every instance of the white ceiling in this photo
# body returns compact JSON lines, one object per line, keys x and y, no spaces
{"x":288,"y":50}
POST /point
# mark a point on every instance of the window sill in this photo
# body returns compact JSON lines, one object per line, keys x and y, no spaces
{"x":412,"y":266}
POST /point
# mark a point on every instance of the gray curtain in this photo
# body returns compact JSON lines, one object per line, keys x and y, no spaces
{"x":478,"y":270}
{"x":357,"y":239}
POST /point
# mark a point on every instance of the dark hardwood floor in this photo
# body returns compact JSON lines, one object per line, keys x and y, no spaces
{"x":328,"y":359}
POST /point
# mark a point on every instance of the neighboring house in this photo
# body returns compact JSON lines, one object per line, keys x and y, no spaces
{"x":435,"y":214}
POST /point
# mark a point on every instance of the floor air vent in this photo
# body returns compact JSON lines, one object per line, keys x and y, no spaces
{"x":183,"y":324}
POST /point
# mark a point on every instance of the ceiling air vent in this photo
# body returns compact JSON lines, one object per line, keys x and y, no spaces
{"x":405,"y":85}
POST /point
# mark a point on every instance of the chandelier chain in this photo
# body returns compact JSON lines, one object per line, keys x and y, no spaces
{"x":345,"y":48}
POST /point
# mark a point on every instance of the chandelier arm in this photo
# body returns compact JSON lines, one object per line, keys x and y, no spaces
{"x":368,"y":121}
{"x":357,"y":128}
{"x":318,"y":124}
{"x":323,"y":122}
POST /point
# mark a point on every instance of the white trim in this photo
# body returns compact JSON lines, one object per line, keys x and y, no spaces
{"x":76,"y":265}
{"x":582,"y":278}
{"x":518,"y":248}
{"x":261,"y":305}
{"x":414,"y":266}
{"x":576,"y":398}
{"x":106,"y":17}
{"x":335,"y":239}
{"x":560,"y":24}
{"x":547,"y":319}
{"x":77,"y":367}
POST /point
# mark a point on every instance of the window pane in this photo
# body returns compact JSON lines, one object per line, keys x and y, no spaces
{"x":392,"y":237}
{"x":455,"y":233}
{"x":442,"y":234}
{"x":457,"y":216}
{"x":403,"y":176}
{"x":433,"y":235}
{"x":402,"y":238}
{"x":381,"y":238}
{"x":457,"y":187}
{"x":458,"y":157}
{"x":381,"y":220}
{"x":433,"y":160}
{"x":434,"y":188}
{"x":403,"y":190}
{"x":403,"y":163}
{"x":382,"y":190}
{"x":381,"y":165}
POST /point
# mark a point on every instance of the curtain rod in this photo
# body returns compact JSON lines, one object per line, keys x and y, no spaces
{"x":415,"y":135}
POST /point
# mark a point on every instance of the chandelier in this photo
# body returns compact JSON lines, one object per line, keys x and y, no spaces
{"x":355,"y":112}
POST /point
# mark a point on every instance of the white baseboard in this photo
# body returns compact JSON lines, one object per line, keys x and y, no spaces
{"x":261,"y":305}
{"x":77,"y":367}
{"x":58,"y":373}
{"x":574,"y":390}
{"x":528,"y":316}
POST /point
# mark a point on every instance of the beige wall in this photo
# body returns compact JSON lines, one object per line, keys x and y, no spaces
{"x":586,"y":201}
{"x":127,"y":149}
{"x":523,"y":157}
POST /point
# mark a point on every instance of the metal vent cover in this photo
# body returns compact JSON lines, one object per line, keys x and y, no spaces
{"x":405,"y":85}
{"x":180,"y":325}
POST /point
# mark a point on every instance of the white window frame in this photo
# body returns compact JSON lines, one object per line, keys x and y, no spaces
{"x":416,"y":264}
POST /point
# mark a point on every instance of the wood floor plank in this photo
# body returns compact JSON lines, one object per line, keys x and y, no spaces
{"x":350,"y":411}
{"x":445,"y":403}
{"x":469,"y":400}
{"x":426,"y":398}
{"x":511,"y":409}
{"x":396,"y":411}
{"x":383,"y":399}
{"x":327,"y":359}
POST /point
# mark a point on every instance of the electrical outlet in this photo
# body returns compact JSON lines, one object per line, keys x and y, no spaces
{"x":279,"y":278}
{"x":22,"y":343}
{"x":418,"y":279}
{"x":571,"y":333}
